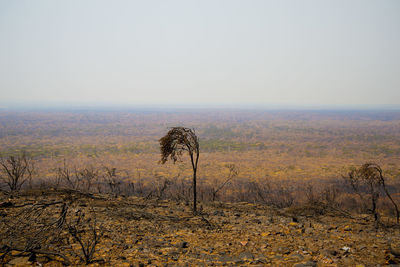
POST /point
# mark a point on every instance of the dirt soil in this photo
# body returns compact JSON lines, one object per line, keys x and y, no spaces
{"x":148,"y":232}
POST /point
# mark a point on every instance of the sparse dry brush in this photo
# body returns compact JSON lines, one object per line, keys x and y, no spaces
{"x":233,"y":173}
{"x":48,"y":228}
{"x":366,"y":185}
{"x":113,"y":180}
{"x":33,"y":229}
{"x":16,"y":170}
{"x":86,"y":231}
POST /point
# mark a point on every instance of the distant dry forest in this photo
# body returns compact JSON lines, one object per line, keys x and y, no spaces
{"x":279,"y":158}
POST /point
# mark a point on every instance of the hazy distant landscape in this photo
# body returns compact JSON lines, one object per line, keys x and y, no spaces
{"x":284,"y":145}
{"x":304,"y":133}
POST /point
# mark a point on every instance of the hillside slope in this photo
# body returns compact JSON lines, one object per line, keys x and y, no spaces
{"x":137,"y":231}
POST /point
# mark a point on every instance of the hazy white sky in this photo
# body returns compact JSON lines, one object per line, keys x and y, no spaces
{"x":200,"y":52}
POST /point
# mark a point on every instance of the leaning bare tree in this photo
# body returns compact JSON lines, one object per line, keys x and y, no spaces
{"x":370,"y":176}
{"x":233,"y":172}
{"x":16,"y":170}
{"x":376,"y":170}
{"x":174,"y":143}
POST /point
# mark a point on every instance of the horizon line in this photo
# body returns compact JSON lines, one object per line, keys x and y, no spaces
{"x":194,"y":106}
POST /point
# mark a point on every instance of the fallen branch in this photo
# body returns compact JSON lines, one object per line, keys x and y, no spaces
{"x":8,"y":249}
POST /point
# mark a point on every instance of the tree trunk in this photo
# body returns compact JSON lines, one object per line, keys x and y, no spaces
{"x":391,"y":199}
{"x":194,"y":191}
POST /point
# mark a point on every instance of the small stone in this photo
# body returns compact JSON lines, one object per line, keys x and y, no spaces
{"x":246,"y":255}
{"x":261,"y":260}
{"x":297,"y":256}
{"x":219,"y":213}
{"x":311,"y":264}
{"x":306,"y":264}
{"x":346,"y":249}
{"x":243,"y":243}
{"x":284,"y":220}
{"x":183,"y":244}
{"x":225,"y":259}
{"x":19,"y":261}
{"x":308,"y":231}
{"x":283,"y":250}
{"x":239,"y":261}
{"x":257,"y":221}
{"x":329,"y":252}
{"x":347,"y":228}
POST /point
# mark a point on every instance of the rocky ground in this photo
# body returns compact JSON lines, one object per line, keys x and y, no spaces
{"x":149,"y":232}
